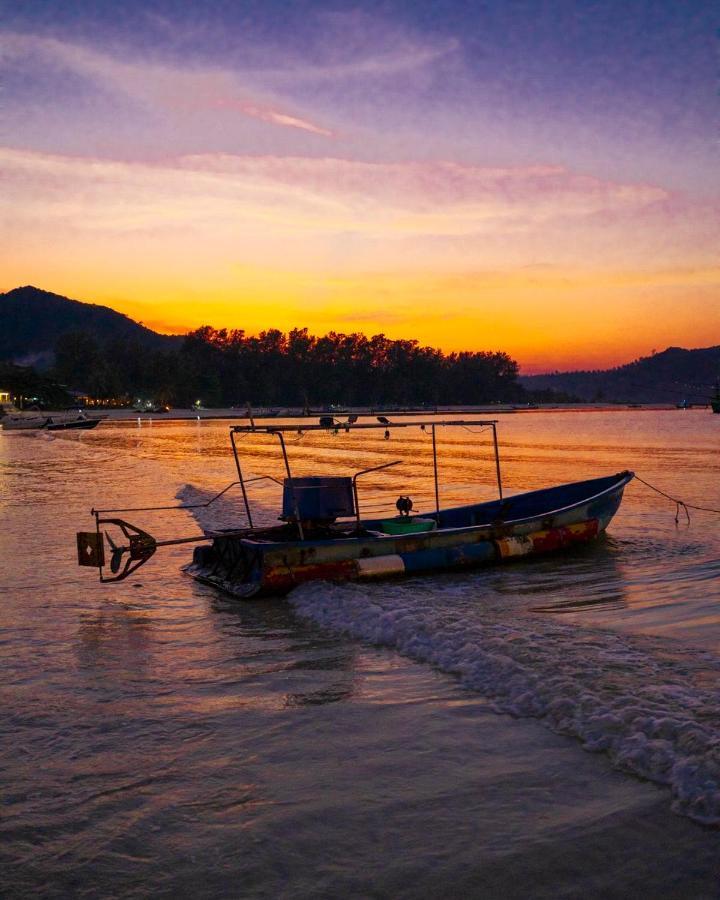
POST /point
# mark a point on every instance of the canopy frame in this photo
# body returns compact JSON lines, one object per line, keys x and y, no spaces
{"x":336,"y":426}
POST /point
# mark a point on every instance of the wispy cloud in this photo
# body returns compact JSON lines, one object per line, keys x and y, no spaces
{"x":376,"y":65}
{"x":320,"y":196}
{"x":267,"y":114}
{"x":156,"y":85}
{"x":277,"y":85}
{"x":352,"y":44}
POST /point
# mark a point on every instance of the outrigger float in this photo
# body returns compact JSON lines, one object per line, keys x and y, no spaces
{"x":324,"y":537}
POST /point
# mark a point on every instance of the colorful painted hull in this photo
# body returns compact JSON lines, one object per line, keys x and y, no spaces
{"x":462,"y":537}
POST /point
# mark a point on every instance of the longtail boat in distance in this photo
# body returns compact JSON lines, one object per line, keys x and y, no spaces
{"x":49,"y":422}
{"x":324,"y":537}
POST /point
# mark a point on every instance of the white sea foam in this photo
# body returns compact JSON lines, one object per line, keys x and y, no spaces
{"x":227,"y":511}
{"x":650,"y":705}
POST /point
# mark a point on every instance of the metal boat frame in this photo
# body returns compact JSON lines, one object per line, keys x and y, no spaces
{"x":279,"y":432}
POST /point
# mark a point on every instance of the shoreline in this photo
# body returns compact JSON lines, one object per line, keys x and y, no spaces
{"x":225,"y":413}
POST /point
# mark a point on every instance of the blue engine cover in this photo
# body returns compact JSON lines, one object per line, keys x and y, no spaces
{"x":318,"y":499}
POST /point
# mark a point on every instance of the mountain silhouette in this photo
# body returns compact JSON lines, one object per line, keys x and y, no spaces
{"x":673,"y":375}
{"x":32,"y":320}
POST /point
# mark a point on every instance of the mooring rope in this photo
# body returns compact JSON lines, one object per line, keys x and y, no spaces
{"x":679,"y":504}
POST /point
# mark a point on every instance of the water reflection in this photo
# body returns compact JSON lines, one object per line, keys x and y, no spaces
{"x":592,"y":575}
{"x":114,"y":637}
{"x":330,"y":694}
{"x":286,"y":651}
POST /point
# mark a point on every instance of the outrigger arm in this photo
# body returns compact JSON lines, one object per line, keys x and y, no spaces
{"x":127,"y":558}
{"x":124,"y":559}
{"x":91,"y":549}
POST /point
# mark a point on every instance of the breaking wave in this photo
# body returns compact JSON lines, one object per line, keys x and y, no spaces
{"x":650,"y":705}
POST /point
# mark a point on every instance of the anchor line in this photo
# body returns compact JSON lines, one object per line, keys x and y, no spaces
{"x":679,"y":504}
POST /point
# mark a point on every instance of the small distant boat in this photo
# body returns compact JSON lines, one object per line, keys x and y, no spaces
{"x":81,"y":423}
{"x":323,"y":535}
{"x":44,"y":422}
{"x":684,"y":404}
{"x":22,"y":421}
{"x":147,"y":406}
{"x":330,"y":408}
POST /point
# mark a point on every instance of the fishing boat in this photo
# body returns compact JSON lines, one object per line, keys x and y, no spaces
{"x":323,"y":535}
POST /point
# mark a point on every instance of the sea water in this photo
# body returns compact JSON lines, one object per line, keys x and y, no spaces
{"x":548,"y":728}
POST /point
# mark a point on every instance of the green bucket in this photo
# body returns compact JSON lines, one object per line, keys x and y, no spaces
{"x":407,"y":525}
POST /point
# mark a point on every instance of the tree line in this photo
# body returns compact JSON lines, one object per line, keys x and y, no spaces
{"x":221,"y":367}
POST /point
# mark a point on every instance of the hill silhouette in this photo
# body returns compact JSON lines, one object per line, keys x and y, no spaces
{"x":111,"y":358}
{"x":33,"y":320}
{"x":673,"y":375}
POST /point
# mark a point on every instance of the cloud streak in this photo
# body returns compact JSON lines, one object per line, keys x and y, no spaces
{"x":267,"y":114}
{"x":155,"y":85}
{"x":330,"y":195}
{"x":306,"y":241}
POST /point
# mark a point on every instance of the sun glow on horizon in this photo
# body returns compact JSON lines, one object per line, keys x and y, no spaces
{"x":396,"y":304}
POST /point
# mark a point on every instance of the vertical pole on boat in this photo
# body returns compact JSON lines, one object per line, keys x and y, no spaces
{"x":497,"y":460}
{"x":99,"y":540}
{"x":435,"y":474}
{"x":290,"y":484}
{"x":241,"y":479}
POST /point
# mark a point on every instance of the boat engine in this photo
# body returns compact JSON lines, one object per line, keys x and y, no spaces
{"x":317,"y":500}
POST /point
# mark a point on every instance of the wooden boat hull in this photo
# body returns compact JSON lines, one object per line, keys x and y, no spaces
{"x":543,"y":522}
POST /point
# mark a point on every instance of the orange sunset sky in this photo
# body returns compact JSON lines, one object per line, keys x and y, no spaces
{"x":466,"y":175}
